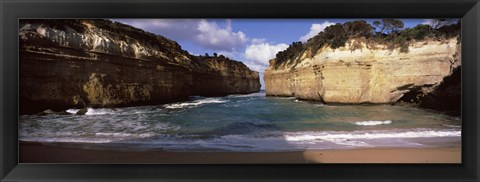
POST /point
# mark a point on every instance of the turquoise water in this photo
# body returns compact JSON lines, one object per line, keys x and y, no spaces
{"x":246,"y":123}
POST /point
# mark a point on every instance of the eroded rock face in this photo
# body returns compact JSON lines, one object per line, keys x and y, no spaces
{"x":365,"y":74}
{"x":98,"y":63}
{"x":446,"y":97}
{"x":220,"y":76}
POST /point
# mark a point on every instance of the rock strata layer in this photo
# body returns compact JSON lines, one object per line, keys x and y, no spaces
{"x":99,"y":63}
{"x":356,"y":74}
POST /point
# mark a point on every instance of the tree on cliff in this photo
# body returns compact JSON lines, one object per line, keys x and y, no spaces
{"x":358,"y":28}
{"x":388,"y":25}
{"x":438,"y":23}
{"x":335,"y":35}
{"x":290,"y":53}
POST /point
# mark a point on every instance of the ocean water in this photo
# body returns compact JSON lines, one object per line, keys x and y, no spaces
{"x":250,"y":122}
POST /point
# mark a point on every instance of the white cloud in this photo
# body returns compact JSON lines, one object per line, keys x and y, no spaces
{"x":230,"y":54}
{"x":212,"y":36}
{"x":315,"y":29}
{"x":255,"y":66}
{"x":427,"y":21}
{"x":258,"y":41}
{"x":204,"y":33}
{"x":261,"y":52}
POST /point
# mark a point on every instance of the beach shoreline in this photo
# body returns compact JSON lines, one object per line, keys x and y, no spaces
{"x":34,"y":152}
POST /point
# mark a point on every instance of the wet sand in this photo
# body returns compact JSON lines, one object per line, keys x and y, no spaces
{"x":32,"y":152}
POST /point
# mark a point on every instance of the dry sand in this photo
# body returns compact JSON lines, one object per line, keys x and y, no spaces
{"x":31,"y":152}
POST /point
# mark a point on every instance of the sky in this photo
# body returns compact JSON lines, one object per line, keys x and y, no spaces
{"x":251,"y":41}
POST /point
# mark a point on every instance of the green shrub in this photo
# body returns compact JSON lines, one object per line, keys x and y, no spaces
{"x":290,"y":53}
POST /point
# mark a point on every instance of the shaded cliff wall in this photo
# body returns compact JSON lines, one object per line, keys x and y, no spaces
{"x":445,"y":97}
{"x":219,"y":76}
{"x":99,"y":63}
{"x":361,"y":73}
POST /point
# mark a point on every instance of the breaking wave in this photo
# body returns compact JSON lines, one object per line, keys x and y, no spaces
{"x":194,"y":103}
{"x":372,"y":123}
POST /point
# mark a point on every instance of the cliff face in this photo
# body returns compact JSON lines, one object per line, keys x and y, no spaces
{"x":361,"y":73}
{"x":218,"y":76}
{"x":98,"y":63}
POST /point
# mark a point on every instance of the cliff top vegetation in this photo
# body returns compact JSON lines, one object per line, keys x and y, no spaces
{"x":390,"y":32}
{"x":215,"y":59}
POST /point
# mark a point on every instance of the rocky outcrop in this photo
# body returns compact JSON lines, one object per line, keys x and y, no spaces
{"x":219,"y":76}
{"x":99,"y":63}
{"x":446,"y":97}
{"x":365,"y":73}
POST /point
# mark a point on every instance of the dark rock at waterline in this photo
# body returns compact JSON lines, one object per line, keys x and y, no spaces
{"x":445,"y":97}
{"x":82,"y":111}
{"x":50,"y":112}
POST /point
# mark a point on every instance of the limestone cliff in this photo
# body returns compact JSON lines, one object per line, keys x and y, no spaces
{"x":361,"y":72}
{"x":99,"y":63}
{"x":218,"y":76}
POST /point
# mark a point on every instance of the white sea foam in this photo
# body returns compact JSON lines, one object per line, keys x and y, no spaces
{"x":181,"y":105}
{"x":274,"y":141}
{"x":372,"y":123}
{"x":69,"y":140}
{"x":452,"y":126}
{"x":311,"y":136}
{"x":321,"y":140}
{"x":46,"y":133}
{"x":92,"y":111}
{"x":258,"y":94}
{"x":100,"y":137}
{"x":354,"y":139}
{"x":129,"y":135}
{"x":349,"y":142}
{"x":194,"y":103}
{"x":72,"y":111}
{"x":99,"y":111}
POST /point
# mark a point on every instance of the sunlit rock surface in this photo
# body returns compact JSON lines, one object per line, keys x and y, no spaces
{"x":99,"y":63}
{"x":366,"y":73}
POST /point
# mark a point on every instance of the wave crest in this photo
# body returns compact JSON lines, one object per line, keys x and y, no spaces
{"x":372,"y":123}
{"x":92,"y":111}
{"x":194,"y":103}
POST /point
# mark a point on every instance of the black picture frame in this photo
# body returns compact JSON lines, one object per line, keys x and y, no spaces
{"x":11,"y":11}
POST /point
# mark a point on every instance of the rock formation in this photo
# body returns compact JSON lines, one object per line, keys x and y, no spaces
{"x":218,"y":76}
{"x":99,"y":63}
{"x":363,"y":71}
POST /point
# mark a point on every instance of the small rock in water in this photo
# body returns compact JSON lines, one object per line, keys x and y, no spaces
{"x":82,"y":111}
{"x":49,"y":111}
{"x":46,"y":112}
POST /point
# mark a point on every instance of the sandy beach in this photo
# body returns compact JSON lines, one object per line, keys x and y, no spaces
{"x":32,"y":152}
